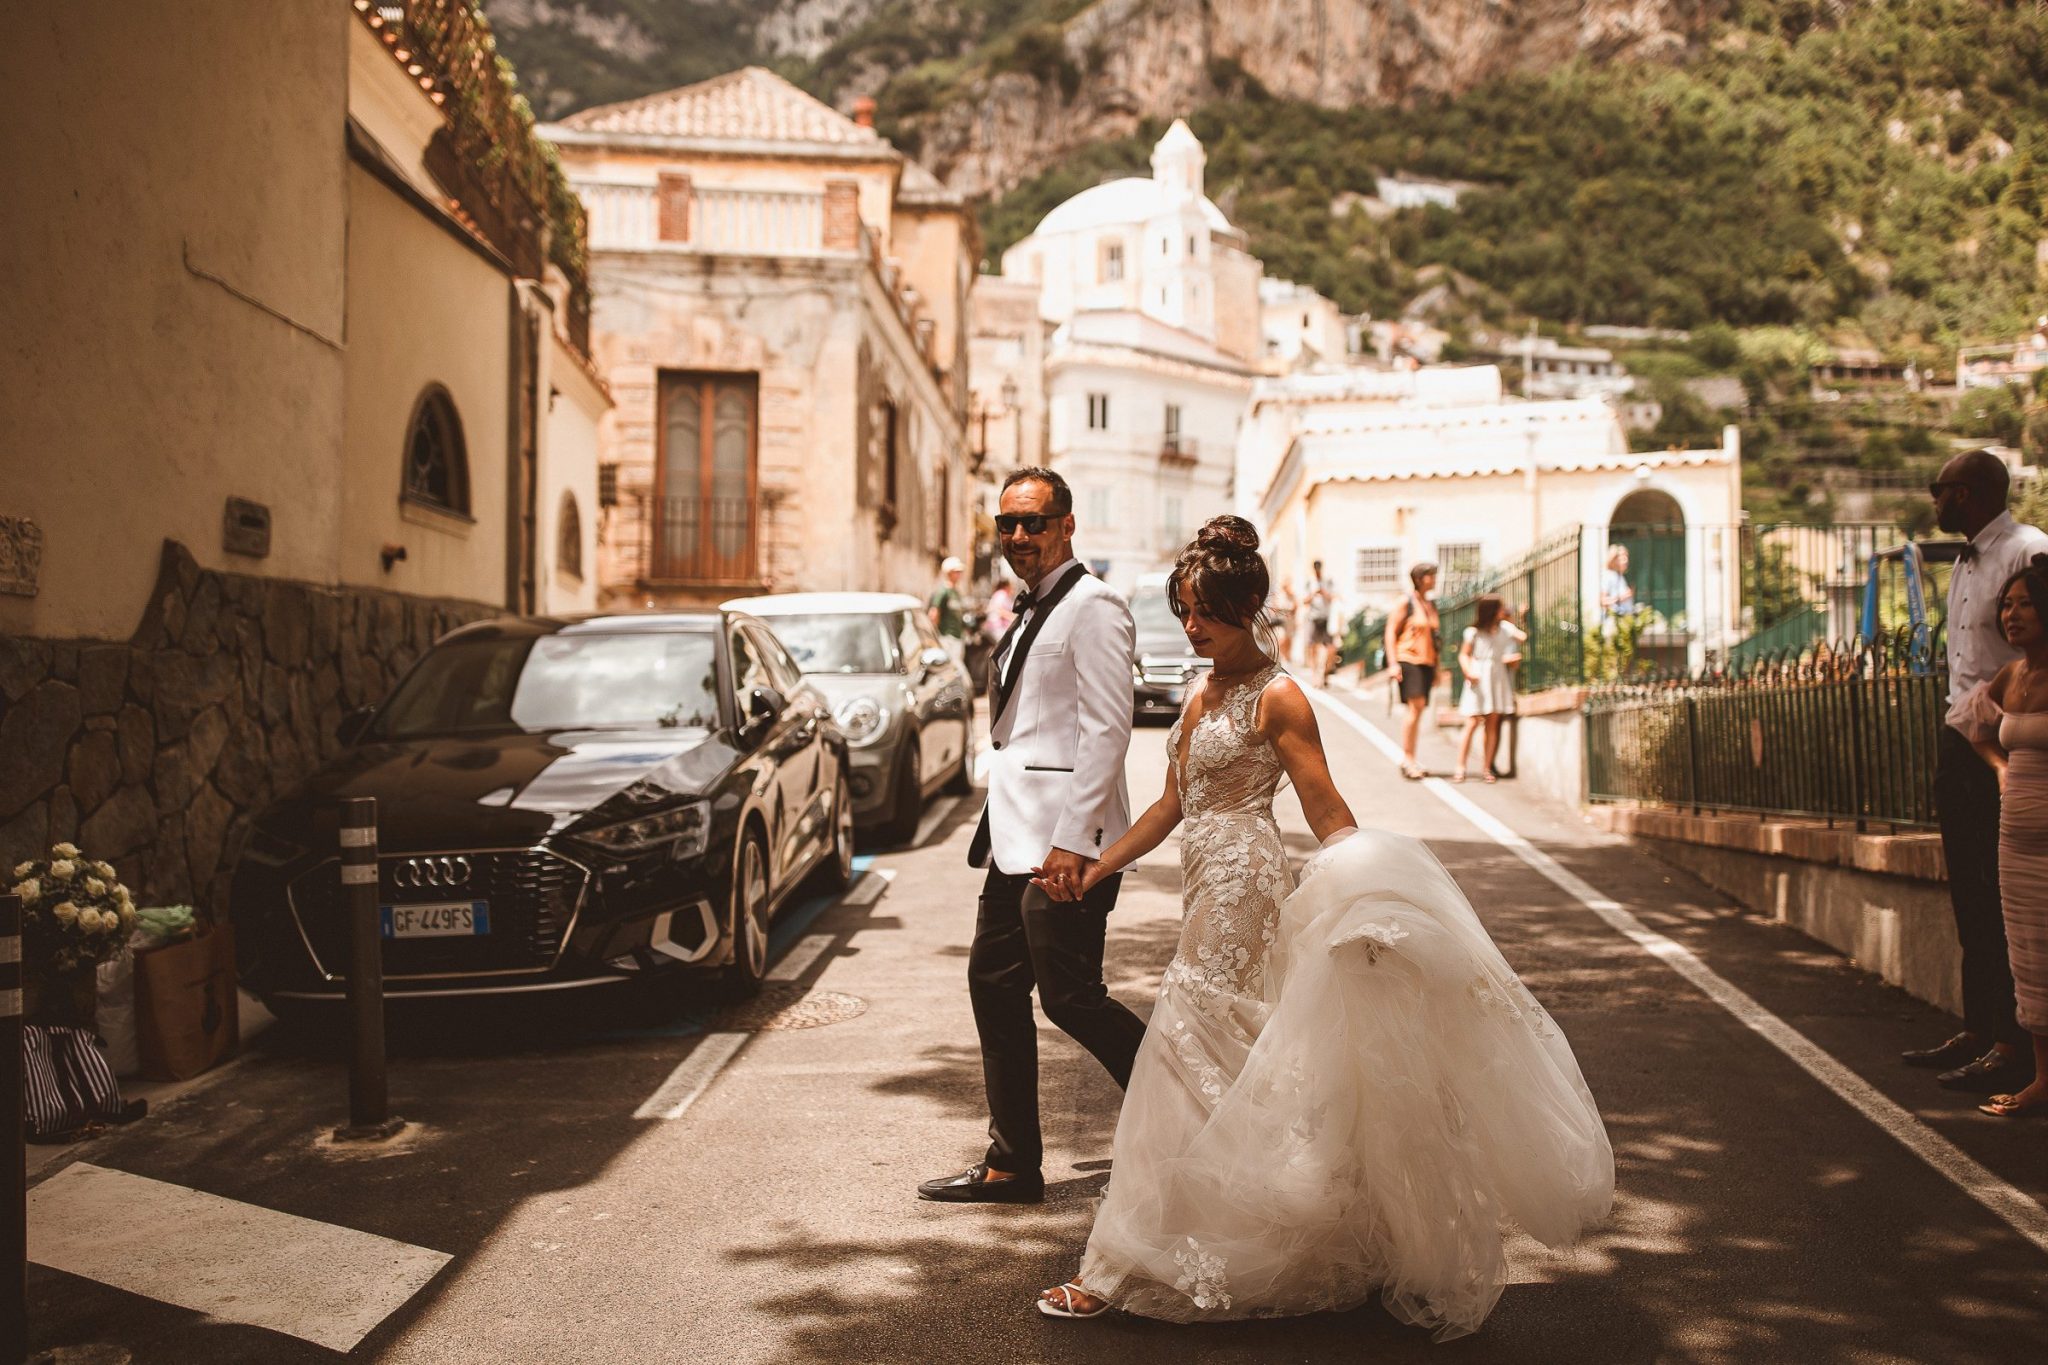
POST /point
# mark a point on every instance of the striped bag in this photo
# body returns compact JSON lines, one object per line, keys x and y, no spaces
{"x":68,"y":1083}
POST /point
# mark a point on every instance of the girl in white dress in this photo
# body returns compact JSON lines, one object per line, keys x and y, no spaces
{"x":1487,"y":658}
{"x":1344,"y":1089}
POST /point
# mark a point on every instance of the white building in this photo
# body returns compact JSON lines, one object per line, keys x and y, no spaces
{"x":1551,"y":369}
{"x":1409,"y":192}
{"x":1154,"y":305}
{"x":1300,"y":327}
{"x":1372,"y":472}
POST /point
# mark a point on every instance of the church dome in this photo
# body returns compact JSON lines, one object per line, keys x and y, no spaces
{"x":1118,"y":203}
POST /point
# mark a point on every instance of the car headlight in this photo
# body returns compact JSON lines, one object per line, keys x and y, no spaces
{"x":862,"y":719}
{"x":685,"y":829}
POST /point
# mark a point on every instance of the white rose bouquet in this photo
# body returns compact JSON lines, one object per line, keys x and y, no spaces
{"x":74,"y":911}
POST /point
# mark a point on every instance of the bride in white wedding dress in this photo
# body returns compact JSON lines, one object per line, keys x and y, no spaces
{"x":1344,"y":1088}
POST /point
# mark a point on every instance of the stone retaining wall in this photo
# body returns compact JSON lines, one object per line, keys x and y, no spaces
{"x":1881,"y":899}
{"x":154,"y":754}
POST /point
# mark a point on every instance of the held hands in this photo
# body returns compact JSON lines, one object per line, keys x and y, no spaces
{"x":1066,"y":876}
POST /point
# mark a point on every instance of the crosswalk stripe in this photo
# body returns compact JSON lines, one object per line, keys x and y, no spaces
{"x":2022,"y":1214}
{"x":692,"y":1077}
{"x":233,"y":1261}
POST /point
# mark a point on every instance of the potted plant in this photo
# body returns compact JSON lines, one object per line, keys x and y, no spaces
{"x":75,"y":914}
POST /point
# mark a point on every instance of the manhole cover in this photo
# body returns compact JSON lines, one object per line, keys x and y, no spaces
{"x":785,"y":1005}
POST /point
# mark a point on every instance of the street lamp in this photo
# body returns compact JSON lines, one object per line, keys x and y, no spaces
{"x":1016,"y":412}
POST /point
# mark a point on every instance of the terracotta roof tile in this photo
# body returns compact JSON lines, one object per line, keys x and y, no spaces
{"x":752,"y":104}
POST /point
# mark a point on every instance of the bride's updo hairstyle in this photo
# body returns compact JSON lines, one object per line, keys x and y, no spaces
{"x":1223,"y":572}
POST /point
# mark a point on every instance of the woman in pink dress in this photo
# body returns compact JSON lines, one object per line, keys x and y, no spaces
{"x":2007,"y":719}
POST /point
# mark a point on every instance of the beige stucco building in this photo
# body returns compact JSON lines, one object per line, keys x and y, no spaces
{"x":275,"y":298}
{"x":296,"y":380}
{"x":780,"y":309}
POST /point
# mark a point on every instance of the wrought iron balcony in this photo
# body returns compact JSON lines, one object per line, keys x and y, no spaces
{"x":711,"y":542}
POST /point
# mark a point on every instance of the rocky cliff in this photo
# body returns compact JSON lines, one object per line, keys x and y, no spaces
{"x":988,"y":98}
{"x":1158,"y":58}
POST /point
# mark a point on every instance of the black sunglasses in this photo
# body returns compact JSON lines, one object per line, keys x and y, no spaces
{"x":1034,"y":523}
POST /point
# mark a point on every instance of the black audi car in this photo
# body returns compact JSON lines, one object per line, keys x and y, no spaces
{"x":560,"y":803}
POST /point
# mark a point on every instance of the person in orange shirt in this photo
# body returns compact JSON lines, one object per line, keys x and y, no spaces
{"x":1412,"y":631}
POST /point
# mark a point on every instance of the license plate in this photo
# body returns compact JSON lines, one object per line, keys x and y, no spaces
{"x":444,"y":919}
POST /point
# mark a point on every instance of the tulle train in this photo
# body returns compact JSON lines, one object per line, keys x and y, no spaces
{"x":1374,"y":1123}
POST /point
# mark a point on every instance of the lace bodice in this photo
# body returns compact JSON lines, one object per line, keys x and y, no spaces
{"x":1226,"y":768}
{"x":1234,"y":869}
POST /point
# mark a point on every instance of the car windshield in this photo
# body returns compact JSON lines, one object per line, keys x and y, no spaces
{"x":839,"y":642}
{"x":1159,"y":630}
{"x":557,"y":682}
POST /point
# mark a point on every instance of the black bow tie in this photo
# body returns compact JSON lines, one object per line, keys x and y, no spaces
{"x":1967,"y":553}
{"x":1022,"y":604}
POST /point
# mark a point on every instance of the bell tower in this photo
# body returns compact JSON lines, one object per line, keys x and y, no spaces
{"x":1178,"y":162}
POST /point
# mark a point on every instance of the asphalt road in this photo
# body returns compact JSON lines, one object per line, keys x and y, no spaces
{"x":1760,"y":1215}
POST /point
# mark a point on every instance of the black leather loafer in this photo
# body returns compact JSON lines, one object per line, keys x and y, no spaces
{"x":972,"y":1186}
{"x":1989,"y":1074}
{"x":1957,"y":1050}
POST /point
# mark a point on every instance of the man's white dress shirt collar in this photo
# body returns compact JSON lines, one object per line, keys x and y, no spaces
{"x":1045,"y":585}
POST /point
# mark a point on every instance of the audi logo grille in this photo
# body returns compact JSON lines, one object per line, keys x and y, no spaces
{"x":422,"y":874}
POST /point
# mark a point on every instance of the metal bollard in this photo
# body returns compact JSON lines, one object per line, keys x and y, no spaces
{"x":13,"y":1145}
{"x":369,"y":1117}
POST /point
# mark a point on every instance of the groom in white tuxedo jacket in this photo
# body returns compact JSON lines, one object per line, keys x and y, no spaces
{"x":1059,"y":728}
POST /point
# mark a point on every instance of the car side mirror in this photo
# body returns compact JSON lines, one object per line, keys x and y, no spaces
{"x":933,"y":658}
{"x":350,"y":727}
{"x":764,"y":708}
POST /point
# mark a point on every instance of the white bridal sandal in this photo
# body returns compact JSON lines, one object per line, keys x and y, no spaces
{"x":1065,"y":1307}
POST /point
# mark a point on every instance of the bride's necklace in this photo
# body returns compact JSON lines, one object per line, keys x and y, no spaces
{"x":1225,"y":681}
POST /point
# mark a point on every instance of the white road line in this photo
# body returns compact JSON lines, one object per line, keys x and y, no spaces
{"x":800,"y":956}
{"x":870,"y":887}
{"x":940,"y":809}
{"x":2022,"y":1214}
{"x":688,"y":1082}
{"x":232,"y":1261}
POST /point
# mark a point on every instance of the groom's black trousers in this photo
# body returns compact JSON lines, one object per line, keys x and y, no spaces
{"x":1022,"y":939}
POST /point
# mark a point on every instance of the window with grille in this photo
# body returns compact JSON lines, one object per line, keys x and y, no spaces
{"x":1460,"y":559}
{"x":1379,"y":567}
{"x":1112,"y":262}
{"x":436,"y":461}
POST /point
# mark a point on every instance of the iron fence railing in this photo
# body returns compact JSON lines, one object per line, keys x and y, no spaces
{"x":706,"y":541}
{"x":1544,"y":590}
{"x":1837,"y":732}
{"x":1629,"y":601}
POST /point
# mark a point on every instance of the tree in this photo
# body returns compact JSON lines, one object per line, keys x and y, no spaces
{"x":2030,"y":502}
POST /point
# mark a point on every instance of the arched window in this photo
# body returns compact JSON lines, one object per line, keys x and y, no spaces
{"x":436,"y":461}
{"x":569,"y":538}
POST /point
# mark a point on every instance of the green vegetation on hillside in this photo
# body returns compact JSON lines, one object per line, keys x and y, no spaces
{"x":1889,"y":166}
{"x":604,"y":51}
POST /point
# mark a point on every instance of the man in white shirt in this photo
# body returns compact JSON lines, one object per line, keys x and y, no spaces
{"x":1992,"y":1053}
